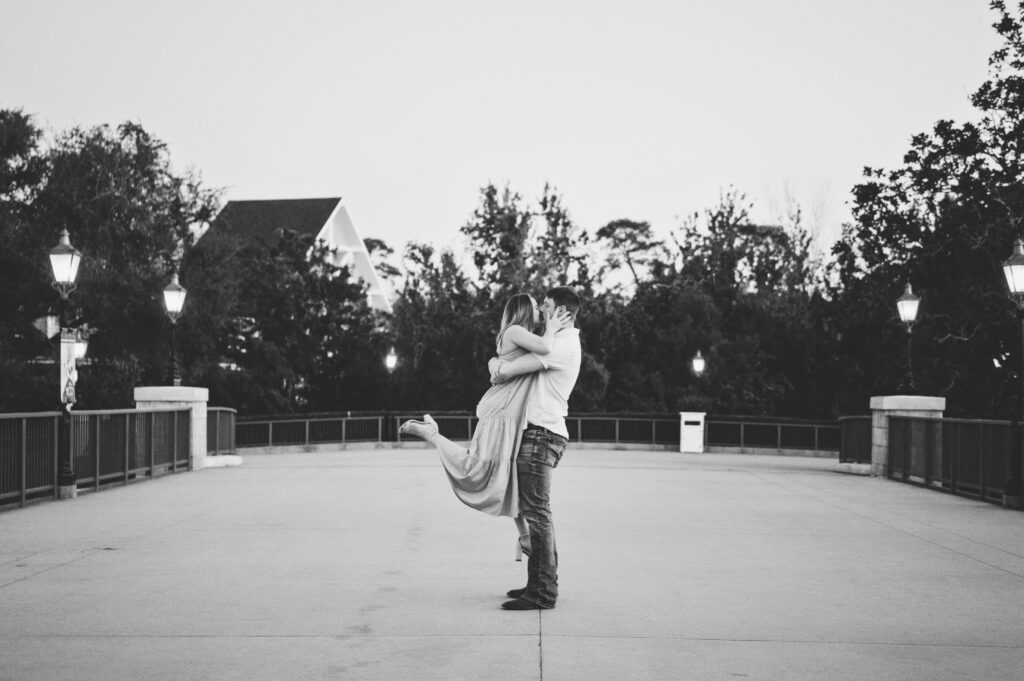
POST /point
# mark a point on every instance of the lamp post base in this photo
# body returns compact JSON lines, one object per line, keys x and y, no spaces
{"x":67,"y":491}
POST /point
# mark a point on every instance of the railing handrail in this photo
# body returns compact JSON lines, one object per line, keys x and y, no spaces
{"x":991,"y":422}
{"x":146,"y":410}
{"x":29,"y":414}
{"x":769,"y":420}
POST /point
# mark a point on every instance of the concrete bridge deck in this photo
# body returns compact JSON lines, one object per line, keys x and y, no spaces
{"x":363,"y":565}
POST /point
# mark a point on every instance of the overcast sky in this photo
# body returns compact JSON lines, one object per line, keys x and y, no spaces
{"x":634,"y":109}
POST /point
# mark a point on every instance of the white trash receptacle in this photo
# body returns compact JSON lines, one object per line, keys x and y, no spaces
{"x":691,"y":432}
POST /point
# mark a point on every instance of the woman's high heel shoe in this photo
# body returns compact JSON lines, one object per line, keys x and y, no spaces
{"x":425,"y":429}
{"x":522,"y":547}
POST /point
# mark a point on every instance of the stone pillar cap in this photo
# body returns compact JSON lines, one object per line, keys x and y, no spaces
{"x":908,"y":403}
{"x":171,"y":393}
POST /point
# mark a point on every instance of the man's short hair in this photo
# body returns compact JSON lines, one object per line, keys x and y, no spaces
{"x":563,"y":296}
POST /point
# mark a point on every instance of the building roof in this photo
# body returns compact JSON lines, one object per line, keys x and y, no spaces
{"x":263,"y":218}
{"x":326,"y":219}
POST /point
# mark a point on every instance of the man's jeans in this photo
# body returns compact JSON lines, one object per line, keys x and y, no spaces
{"x":539,"y":454}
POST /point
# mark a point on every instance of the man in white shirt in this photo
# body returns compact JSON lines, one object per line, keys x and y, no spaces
{"x":543,"y":444}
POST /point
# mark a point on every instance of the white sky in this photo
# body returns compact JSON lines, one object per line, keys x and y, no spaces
{"x":636,"y":109}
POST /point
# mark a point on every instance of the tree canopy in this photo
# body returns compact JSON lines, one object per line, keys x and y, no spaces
{"x":274,"y":327}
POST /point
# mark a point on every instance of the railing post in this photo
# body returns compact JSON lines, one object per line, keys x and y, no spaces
{"x":307,"y":432}
{"x":380,"y":429}
{"x":24,"y":458}
{"x":654,"y":431}
{"x":56,"y":457}
{"x":174,"y":442}
{"x":127,"y":437}
{"x":270,"y":433}
{"x":469,"y":427}
{"x":152,"y":445}
{"x":616,"y":430}
{"x":778,"y":436}
{"x":981,"y":471}
{"x":344,"y":429}
{"x":96,"y":449}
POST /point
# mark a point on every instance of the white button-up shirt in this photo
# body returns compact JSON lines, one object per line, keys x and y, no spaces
{"x":550,"y":402}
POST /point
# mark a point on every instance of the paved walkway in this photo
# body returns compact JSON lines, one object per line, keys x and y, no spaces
{"x":363,"y":565}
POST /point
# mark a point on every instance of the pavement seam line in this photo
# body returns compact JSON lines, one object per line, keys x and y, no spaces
{"x":85,"y":554}
{"x":797,"y":641}
{"x":710,"y":639}
{"x":943,"y":530}
{"x":540,"y":645}
{"x":89,"y":552}
{"x":917,"y":536}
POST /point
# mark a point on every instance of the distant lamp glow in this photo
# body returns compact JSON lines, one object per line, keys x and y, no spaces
{"x":65,"y":259}
{"x":698,"y":363}
{"x":907,"y":305}
{"x":391,"y":361}
{"x":174,"y":298}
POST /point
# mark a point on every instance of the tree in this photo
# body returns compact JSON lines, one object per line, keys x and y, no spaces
{"x":444,"y":329}
{"x":631,"y":243}
{"x":944,"y":221}
{"x":294,"y":330}
{"x":498,"y":233}
{"x":132,"y":217}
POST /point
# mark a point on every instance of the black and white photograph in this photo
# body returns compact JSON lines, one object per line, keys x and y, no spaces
{"x":520,"y":341}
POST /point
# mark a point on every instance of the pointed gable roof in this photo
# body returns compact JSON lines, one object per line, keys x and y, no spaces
{"x":263,"y":218}
{"x":326,"y":219}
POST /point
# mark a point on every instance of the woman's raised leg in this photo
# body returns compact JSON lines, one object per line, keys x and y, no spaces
{"x":427,"y":430}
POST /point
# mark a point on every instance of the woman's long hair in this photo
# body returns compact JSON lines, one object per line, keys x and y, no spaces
{"x":518,"y":311}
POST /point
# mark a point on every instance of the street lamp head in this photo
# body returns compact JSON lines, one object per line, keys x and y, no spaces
{"x":1013,"y":270}
{"x":65,"y":259}
{"x":391,"y":361}
{"x":174,"y":298}
{"x":698,"y":363}
{"x":907,"y":305}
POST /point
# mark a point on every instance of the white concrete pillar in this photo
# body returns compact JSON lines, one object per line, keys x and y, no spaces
{"x":884,"y":406}
{"x":691,"y":432}
{"x":180,"y":396}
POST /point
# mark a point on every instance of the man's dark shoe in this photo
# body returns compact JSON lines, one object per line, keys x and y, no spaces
{"x":523,"y":604}
{"x":516,"y":593}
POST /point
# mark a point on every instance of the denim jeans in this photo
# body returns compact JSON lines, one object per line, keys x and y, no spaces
{"x":539,"y":454}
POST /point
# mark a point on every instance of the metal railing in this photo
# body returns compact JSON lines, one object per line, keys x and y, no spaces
{"x":625,"y":429}
{"x":730,"y":431}
{"x":457,"y":426}
{"x":107,"y":448}
{"x":220,"y":430}
{"x":965,"y":457}
{"x":855,"y":439}
{"x":28,"y":456}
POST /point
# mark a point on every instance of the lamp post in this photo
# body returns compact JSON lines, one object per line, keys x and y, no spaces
{"x":64,"y":260}
{"x":174,"y":301}
{"x":1013,"y":270}
{"x":698,"y":363}
{"x":907,"y":305}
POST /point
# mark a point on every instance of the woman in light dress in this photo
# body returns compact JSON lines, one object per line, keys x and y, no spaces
{"x":483,"y":475}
